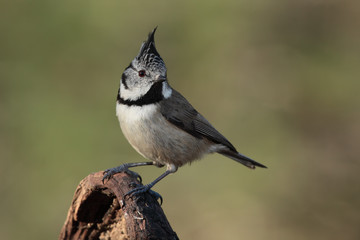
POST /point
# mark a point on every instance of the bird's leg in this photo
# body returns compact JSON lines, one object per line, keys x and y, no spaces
{"x":147,"y":188}
{"x":124,"y":168}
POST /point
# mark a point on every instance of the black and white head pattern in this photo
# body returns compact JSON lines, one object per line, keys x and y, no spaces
{"x":149,"y":58}
{"x":145,"y":78}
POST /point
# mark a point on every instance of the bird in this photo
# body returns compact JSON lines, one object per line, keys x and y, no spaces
{"x":160,"y":124}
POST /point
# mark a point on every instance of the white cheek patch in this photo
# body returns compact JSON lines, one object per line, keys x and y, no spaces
{"x":166,"y":90}
{"x":134,"y":93}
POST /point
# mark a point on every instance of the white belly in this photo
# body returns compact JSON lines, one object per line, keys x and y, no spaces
{"x":157,"y":139}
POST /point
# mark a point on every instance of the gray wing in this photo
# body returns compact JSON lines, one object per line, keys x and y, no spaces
{"x":178,"y":111}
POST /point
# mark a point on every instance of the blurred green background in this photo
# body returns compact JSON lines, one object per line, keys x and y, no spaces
{"x":280,"y":79}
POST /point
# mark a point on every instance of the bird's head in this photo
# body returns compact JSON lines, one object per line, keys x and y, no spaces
{"x":146,"y":69}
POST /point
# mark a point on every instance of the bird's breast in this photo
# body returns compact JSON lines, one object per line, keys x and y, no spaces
{"x":155,"y":138}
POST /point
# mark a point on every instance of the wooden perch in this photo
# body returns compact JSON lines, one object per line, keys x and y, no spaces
{"x":96,"y":212}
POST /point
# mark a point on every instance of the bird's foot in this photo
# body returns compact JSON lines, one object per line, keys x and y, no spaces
{"x":143,"y":189}
{"x":122,"y":168}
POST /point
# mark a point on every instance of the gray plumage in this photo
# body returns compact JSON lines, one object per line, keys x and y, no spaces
{"x":160,"y":123}
{"x":181,"y":113}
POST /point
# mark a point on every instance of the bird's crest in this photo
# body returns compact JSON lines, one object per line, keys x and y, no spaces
{"x":149,"y":56}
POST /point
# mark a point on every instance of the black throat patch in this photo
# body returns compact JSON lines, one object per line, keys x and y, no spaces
{"x":154,"y":95}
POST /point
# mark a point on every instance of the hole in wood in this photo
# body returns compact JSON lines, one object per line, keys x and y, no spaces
{"x":93,"y":209}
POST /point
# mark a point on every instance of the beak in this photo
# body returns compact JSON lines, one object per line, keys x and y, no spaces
{"x":160,"y":78}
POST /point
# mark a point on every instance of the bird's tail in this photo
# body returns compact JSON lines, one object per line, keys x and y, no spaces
{"x":241,"y":159}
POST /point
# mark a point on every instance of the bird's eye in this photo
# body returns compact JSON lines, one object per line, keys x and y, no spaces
{"x":142,"y":73}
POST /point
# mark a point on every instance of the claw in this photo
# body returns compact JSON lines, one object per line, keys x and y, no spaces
{"x":138,"y":177}
{"x":139,"y":189}
{"x":156,"y":195}
{"x":134,"y":174}
{"x":143,"y":189}
{"x":112,"y":171}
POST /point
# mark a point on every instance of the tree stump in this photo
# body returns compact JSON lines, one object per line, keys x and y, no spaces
{"x":97,"y":212}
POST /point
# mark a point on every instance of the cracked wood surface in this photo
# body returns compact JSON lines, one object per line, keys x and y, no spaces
{"x":97,"y":212}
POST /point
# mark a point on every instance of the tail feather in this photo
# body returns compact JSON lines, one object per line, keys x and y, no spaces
{"x":241,"y":159}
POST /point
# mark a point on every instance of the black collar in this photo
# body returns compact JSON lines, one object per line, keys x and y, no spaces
{"x":154,"y":95}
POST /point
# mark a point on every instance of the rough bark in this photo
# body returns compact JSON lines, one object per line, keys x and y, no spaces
{"x":97,"y":212}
